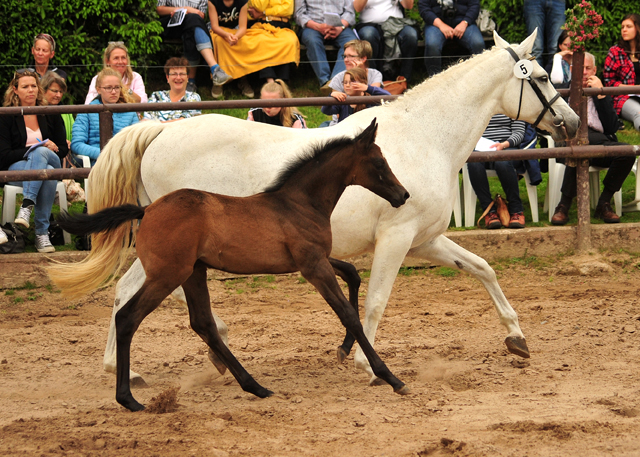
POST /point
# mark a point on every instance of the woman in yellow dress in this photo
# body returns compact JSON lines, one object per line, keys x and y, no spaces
{"x":268,"y":45}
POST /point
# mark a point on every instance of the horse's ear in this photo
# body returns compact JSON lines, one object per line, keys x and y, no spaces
{"x":527,"y":45}
{"x":368,"y":135}
{"x":500,"y":42}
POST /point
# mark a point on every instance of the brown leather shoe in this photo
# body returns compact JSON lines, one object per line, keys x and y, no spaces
{"x":492,"y":221}
{"x":517,"y":220}
{"x":604,"y":212}
{"x":561,"y":215}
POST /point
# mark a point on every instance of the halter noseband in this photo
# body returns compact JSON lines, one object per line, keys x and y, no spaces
{"x":558,"y":119}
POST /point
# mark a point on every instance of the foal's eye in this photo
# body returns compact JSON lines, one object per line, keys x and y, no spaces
{"x":378,"y":163}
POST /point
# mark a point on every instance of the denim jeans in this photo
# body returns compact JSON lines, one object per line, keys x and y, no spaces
{"x":508,"y":179}
{"x":317,"y":55}
{"x":631,"y":111}
{"x":407,"y":40}
{"x":548,"y":17}
{"x":434,"y":40}
{"x":41,"y":192}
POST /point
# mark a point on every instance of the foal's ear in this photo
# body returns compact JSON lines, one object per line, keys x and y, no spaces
{"x":368,"y":135}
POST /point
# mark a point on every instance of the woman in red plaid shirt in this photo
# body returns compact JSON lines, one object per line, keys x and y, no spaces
{"x":622,"y":68}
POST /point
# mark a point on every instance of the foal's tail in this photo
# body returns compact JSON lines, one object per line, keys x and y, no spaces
{"x":82,"y":277}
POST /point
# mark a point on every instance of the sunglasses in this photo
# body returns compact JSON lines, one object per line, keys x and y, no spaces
{"x":117,"y":43}
{"x":26,"y":72}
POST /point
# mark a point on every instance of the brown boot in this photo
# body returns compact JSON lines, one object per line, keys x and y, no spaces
{"x":561,"y":215}
{"x":604,"y":212}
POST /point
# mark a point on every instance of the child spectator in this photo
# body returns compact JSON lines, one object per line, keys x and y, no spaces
{"x":285,"y":116}
{"x":43,"y":50}
{"x":116,"y":56}
{"x":355,"y":85}
{"x":176,"y":71}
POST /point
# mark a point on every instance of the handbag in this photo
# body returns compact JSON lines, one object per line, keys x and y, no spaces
{"x":501,"y":208}
{"x":15,"y":245}
{"x":485,"y":23}
{"x":396,"y":87}
{"x":56,"y":236}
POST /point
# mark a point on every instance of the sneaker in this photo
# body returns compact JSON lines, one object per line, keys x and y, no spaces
{"x":517,"y":220}
{"x":219,"y":77}
{"x":245,"y":87}
{"x":216,"y":91}
{"x":3,"y":237}
{"x":492,"y":221}
{"x":191,"y":87}
{"x":24,"y":214}
{"x":326,"y":90}
{"x":606,"y":213}
{"x":561,"y":215}
{"x":43,"y":244}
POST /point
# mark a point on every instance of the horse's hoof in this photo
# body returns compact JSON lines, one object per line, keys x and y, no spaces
{"x":342,"y":354}
{"x":264,"y":393}
{"x":375,"y":381}
{"x":138,"y":382}
{"x":213,"y":358}
{"x":518,"y":346}
{"x":404,"y":390}
{"x":131,"y":404}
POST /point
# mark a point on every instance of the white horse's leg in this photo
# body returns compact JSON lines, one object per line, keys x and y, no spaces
{"x":443,"y":251}
{"x":128,"y":285}
{"x":389,"y":253}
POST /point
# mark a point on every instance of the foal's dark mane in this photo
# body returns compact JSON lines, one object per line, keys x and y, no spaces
{"x":313,"y":152}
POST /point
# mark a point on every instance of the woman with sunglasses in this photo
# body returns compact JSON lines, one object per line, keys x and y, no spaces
{"x":86,"y":129}
{"x":116,"y":56}
{"x":43,"y":50}
{"x":18,"y":136}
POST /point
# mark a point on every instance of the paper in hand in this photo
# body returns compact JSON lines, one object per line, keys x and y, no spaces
{"x":34,"y":146}
{"x":333,"y":19}
{"x":484,"y":144}
{"x":177,"y":18}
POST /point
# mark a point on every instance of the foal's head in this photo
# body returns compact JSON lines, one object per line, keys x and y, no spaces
{"x":373,"y":172}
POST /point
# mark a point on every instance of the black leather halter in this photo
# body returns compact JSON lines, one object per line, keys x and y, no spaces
{"x":558,"y":119}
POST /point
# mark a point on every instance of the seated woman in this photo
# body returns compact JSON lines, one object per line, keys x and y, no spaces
{"x":54,"y":88}
{"x":355,"y":85}
{"x":506,"y":134}
{"x":18,"y":134}
{"x":86,"y":129}
{"x":241,"y":51}
{"x":287,"y":116}
{"x":116,"y":56}
{"x":43,"y":50}
{"x":559,"y":68}
{"x":177,"y":76}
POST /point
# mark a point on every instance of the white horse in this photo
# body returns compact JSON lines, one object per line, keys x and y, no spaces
{"x":426,"y":136}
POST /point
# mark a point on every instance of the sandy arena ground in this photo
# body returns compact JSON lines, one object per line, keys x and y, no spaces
{"x":577,"y":395}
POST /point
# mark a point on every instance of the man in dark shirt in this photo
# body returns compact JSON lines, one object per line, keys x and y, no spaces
{"x":603,"y":124}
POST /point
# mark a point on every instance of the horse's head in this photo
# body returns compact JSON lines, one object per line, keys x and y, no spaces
{"x":530,"y":96}
{"x":373,"y":171}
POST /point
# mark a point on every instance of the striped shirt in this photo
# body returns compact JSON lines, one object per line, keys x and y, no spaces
{"x":201,"y":5}
{"x":502,"y":128}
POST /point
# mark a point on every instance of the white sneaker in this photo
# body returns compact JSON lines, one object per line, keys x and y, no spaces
{"x":24,"y":214}
{"x":3,"y":237}
{"x":43,"y":244}
{"x":219,"y":77}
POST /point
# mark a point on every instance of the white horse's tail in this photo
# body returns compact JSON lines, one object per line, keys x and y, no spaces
{"x":113,"y":181}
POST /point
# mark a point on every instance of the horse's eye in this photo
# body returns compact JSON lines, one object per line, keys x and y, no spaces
{"x":544,"y":79}
{"x":378,"y":163}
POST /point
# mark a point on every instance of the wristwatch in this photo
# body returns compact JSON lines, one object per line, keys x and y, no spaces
{"x":344,"y":26}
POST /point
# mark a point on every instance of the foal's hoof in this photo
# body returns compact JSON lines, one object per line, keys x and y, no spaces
{"x":376,"y":381}
{"x":518,"y":346}
{"x":342,"y":354}
{"x":263,"y":393}
{"x":215,"y":360}
{"x":404,"y":390}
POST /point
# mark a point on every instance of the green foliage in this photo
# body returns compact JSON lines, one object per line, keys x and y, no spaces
{"x":82,"y":30}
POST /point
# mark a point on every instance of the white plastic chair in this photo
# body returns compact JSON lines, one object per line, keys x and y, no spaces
{"x":470,"y":197}
{"x":635,"y":204}
{"x":9,"y":204}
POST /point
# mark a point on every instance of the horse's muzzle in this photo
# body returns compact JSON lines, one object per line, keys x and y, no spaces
{"x":400,"y":200}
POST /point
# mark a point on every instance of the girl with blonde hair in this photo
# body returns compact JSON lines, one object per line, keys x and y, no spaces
{"x":285,"y":116}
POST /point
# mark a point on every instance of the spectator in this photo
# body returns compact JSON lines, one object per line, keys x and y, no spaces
{"x":176,"y":71}
{"x":449,"y":20}
{"x":286,"y":116}
{"x":382,"y":23}
{"x":43,"y":50}
{"x":241,"y":51}
{"x":86,"y":130}
{"x":194,"y":35}
{"x":548,"y":17}
{"x":355,"y":85}
{"x":54,"y":87}
{"x":603,"y":125}
{"x":274,"y":16}
{"x":621,"y":68}
{"x":17,"y":135}
{"x":559,"y":68}
{"x":506,"y":134}
{"x":116,"y":56}
{"x":310,"y":16}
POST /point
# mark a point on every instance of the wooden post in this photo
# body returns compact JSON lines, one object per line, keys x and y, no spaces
{"x":106,"y":127}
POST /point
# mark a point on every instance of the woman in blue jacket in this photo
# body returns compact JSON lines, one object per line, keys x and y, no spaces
{"x":86,"y":129}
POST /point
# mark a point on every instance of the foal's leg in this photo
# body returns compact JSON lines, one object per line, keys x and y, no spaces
{"x":445,"y":252}
{"x":350,"y":275}
{"x":323,"y":278}
{"x":202,"y":322}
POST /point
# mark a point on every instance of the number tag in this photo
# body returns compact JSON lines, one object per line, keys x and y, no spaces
{"x":523,"y":69}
